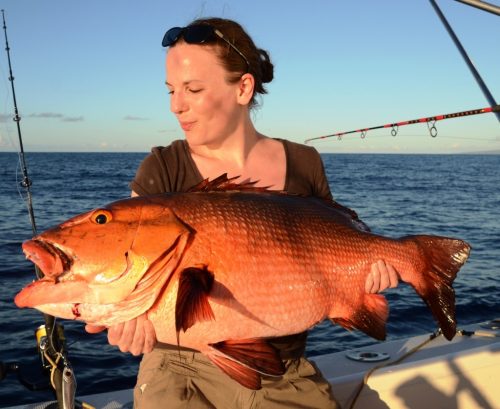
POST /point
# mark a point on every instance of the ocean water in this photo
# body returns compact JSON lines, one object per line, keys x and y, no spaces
{"x":396,"y":195}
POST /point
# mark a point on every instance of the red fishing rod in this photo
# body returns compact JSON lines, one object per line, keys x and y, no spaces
{"x":50,"y":337}
{"x":430,"y":121}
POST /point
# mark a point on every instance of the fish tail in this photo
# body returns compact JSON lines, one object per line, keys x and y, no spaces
{"x":438,"y":262}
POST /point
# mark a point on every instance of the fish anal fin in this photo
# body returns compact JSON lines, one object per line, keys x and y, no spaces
{"x":244,"y":376}
{"x":369,"y":318}
{"x":192,"y":304}
{"x":256,"y":355}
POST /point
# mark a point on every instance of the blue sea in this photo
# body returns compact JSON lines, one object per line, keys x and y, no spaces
{"x":396,"y":195}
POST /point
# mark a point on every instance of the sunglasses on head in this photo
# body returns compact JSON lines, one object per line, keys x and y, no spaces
{"x":197,"y":34}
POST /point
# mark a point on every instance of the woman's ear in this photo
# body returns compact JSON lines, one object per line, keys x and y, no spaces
{"x":246,"y":88}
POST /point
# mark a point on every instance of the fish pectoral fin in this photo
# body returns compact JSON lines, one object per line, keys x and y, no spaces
{"x":192,"y":303}
{"x":245,"y":360}
{"x":369,"y":318}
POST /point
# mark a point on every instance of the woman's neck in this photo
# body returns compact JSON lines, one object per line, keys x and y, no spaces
{"x":232,"y":151}
{"x":258,"y":158}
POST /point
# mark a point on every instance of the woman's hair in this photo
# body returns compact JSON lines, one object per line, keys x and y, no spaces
{"x":260,"y":65}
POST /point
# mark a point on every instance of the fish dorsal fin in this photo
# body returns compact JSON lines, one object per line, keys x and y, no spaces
{"x":223,"y":183}
{"x":349,"y":214}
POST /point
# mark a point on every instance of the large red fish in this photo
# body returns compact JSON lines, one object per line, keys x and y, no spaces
{"x":230,"y":266}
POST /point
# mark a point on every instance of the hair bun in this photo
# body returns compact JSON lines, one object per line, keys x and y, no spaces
{"x":266,"y":66}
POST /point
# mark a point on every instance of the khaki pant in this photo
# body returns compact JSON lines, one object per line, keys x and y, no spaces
{"x":173,"y":379}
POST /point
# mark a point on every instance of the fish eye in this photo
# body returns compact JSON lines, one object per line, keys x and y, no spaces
{"x":101,"y":216}
{"x":101,"y":219}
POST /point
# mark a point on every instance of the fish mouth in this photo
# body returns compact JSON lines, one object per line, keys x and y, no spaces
{"x":51,"y":260}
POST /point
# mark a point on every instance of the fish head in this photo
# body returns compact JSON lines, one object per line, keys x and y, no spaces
{"x":90,"y":247}
{"x":101,"y":257}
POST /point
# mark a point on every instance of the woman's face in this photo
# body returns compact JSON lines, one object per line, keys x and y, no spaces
{"x":204,"y":103}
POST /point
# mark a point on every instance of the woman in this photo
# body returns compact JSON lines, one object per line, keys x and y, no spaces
{"x":214,"y":73}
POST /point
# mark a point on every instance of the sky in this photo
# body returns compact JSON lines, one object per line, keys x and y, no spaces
{"x":89,"y":74}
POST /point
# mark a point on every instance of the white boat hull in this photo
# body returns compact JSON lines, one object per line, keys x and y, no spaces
{"x":459,"y":374}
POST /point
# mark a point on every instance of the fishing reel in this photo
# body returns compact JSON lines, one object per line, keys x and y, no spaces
{"x":30,"y":373}
{"x":45,"y":349}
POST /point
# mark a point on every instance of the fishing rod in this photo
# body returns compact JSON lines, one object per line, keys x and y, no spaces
{"x":50,"y":337}
{"x":465,"y":56}
{"x":495,"y":108}
{"x":430,"y":121}
{"x":482,"y":5}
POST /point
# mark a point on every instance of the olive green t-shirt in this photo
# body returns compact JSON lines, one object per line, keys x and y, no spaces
{"x":172,"y":169}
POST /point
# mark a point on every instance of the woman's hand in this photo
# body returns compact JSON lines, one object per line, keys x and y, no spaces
{"x":381,"y":277}
{"x":136,"y":336}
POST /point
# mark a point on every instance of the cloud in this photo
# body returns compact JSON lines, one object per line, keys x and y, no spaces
{"x":56,"y":115}
{"x":135,"y":118}
{"x":72,"y":119}
{"x":46,"y":115}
